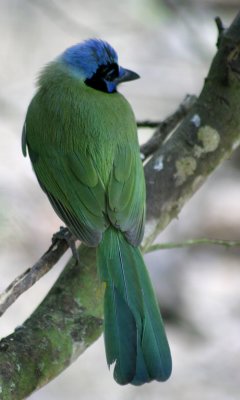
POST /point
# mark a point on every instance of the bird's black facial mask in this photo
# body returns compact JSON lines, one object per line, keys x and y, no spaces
{"x":104,"y":77}
{"x":107,"y":77}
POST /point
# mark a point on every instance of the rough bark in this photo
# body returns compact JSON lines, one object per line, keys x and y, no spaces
{"x":69,"y":319}
{"x":206,"y":137}
{"x":61,"y":328}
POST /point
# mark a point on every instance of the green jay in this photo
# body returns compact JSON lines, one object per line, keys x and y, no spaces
{"x":81,"y":136}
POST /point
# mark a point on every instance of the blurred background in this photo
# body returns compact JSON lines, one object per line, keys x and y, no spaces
{"x":170,"y":43}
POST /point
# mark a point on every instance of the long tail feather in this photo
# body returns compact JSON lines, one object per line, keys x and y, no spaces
{"x":135,"y":338}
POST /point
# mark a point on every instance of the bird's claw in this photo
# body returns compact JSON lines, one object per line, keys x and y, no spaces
{"x":65,"y":234}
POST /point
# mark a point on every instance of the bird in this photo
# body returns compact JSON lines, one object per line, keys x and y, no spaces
{"x":80,"y":133}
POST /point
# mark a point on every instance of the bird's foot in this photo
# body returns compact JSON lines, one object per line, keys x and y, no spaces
{"x":65,"y":234}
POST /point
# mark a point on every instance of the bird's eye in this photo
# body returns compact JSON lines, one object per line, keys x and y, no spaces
{"x":110,"y":72}
{"x":106,"y":73}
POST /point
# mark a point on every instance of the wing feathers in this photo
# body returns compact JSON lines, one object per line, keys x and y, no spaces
{"x":126,"y":198}
{"x":80,"y":206}
{"x":79,"y":197}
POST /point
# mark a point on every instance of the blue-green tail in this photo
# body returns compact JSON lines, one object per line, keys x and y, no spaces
{"x":135,"y":338}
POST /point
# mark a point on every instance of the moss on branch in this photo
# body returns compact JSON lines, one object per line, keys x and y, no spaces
{"x":62,"y":327}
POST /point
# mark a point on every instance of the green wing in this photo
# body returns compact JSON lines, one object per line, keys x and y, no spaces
{"x":76,"y":192}
{"x":126,"y":194}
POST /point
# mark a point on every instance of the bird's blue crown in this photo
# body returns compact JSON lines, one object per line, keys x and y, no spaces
{"x":85,"y":58}
{"x":96,"y":63}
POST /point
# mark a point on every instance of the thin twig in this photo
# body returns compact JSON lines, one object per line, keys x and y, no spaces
{"x":165,"y":127}
{"x":221,"y":30}
{"x":24,"y":281}
{"x":192,"y":242}
{"x":148,"y":124}
{"x":220,"y":25}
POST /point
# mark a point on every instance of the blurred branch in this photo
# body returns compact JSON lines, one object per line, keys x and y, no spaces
{"x":221,"y":29}
{"x":220,"y":26}
{"x":148,"y":124}
{"x":69,"y":318}
{"x":165,"y":127}
{"x":191,"y":243}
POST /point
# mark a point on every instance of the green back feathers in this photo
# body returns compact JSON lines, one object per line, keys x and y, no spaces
{"x":84,"y":150}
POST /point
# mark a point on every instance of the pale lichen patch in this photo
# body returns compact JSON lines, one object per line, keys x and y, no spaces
{"x":150,"y":228}
{"x":185,"y":167}
{"x":158,"y":165}
{"x":209,"y":138}
{"x":236,"y":144}
{"x":196,"y":120}
{"x":77,"y":349}
{"x":198,"y":151}
{"x":197,"y":183}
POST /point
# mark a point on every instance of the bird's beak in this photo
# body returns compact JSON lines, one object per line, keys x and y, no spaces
{"x":125,"y":75}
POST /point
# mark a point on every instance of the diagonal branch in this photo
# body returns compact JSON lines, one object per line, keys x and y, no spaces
{"x":207,"y":136}
{"x":68,"y":320}
{"x":165,"y":127}
{"x":24,"y":281}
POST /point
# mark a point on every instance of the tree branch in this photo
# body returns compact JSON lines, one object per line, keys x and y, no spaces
{"x":165,"y":127}
{"x":69,"y":319}
{"x":24,"y":281}
{"x":193,"y":242}
{"x":206,"y":137}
